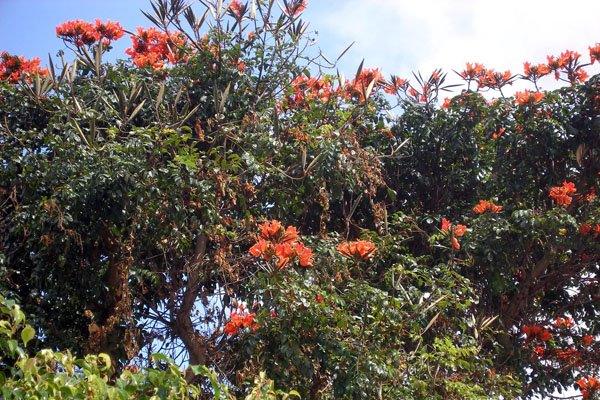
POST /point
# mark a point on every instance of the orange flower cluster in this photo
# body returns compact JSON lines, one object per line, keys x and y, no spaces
{"x":534,"y":332}
{"x":588,"y":386}
{"x":454,"y":230}
{"x":306,"y":89}
{"x":151,"y":47}
{"x":82,"y":33}
{"x":13,"y":67}
{"x":395,"y":85}
{"x":472,"y":72}
{"x":282,"y":244}
{"x":528,"y":98}
{"x":485,"y":206}
{"x":567,"y":356}
{"x":358,"y":249}
{"x":568,"y":62}
{"x":563,"y":194}
{"x":534,"y":72}
{"x":564,"y":322}
{"x":494,"y":80}
{"x":358,"y":86}
{"x":240,"y":320}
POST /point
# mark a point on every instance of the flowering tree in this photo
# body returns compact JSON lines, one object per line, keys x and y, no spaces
{"x":218,"y":197}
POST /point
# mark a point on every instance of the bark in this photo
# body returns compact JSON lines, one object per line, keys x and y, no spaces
{"x":182,"y":325}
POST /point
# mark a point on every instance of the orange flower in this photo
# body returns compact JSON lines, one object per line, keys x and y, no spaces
{"x":498,"y":133}
{"x":455,"y":231}
{"x":533,"y":72}
{"x":395,"y":85}
{"x":563,"y":194}
{"x":528,"y":98}
{"x":485,"y":205}
{"x":588,"y":386}
{"x":13,"y":67}
{"x":536,"y":332}
{"x":260,"y":248}
{"x":304,"y":254}
{"x":357,"y":249}
{"x":283,"y":252}
{"x":445,"y":225}
{"x":285,"y":246}
{"x":455,"y":243}
{"x":595,"y":53}
{"x":319,"y":299}
{"x":460,"y":230}
{"x":290,"y":235}
{"x":587,"y":340}
{"x":472,"y":71}
{"x":151,"y":47}
{"x":294,"y":7}
{"x":240,"y":320}
{"x":237,"y":9}
{"x":270,"y":229}
{"x":564,"y":322}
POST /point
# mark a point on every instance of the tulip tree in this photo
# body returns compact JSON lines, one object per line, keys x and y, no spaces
{"x":220,"y":196}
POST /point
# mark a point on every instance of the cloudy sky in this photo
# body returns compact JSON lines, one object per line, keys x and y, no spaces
{"x":398,"y":36}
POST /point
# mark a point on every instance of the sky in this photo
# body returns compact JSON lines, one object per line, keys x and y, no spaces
{"x":397,"y":36}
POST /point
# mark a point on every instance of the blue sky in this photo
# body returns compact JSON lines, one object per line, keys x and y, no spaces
{"x":398,"y":36}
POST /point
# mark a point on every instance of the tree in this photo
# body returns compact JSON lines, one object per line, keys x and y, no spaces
{"x":220,"y":198}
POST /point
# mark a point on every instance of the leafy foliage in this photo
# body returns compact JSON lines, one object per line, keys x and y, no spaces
{"x":423,"y":251}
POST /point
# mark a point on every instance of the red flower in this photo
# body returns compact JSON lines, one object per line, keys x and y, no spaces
{"x":319,"y":299}
{"x":536,"y":332}
{"x":538,"y":352}
{"x":584,"y":229}
{"x":357,"y":249}
{"x":485,"y":205}
{"x":563,"y":194}
{"x":588,"y":386}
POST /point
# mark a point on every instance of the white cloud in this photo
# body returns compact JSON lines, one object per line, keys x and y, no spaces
{"x":402,"y":36}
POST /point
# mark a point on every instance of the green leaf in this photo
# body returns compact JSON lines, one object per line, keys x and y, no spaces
{"x":27,"y":334}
